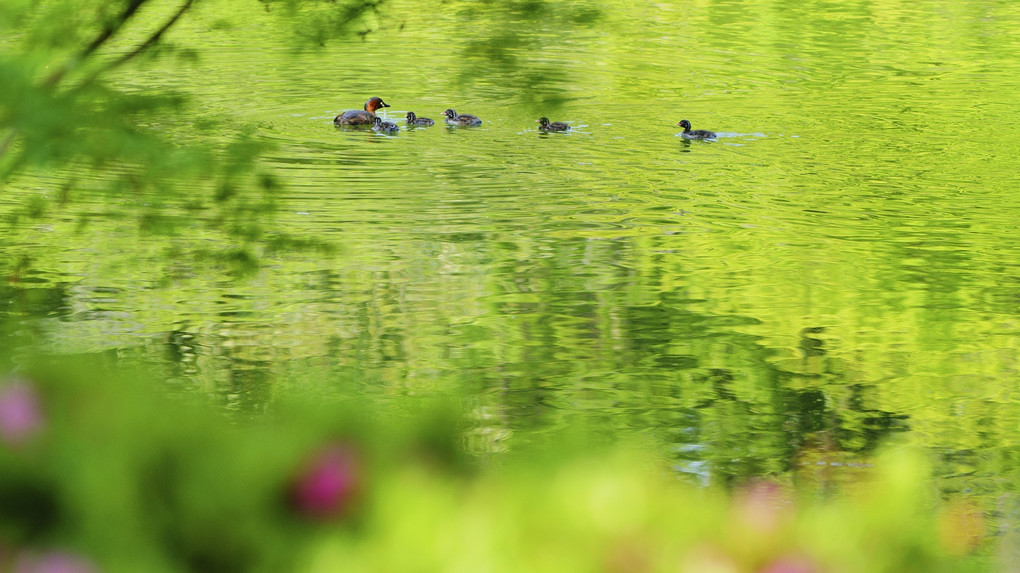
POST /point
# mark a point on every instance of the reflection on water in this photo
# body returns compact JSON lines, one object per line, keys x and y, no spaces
{"x":838,"y":266}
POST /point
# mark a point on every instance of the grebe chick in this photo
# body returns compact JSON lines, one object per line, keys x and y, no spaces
{"x":697,"y":133}
{"x":554,"y":126}
{"x":419,"y":121}
{"x":384,"y":126}
{"x":453,"y":118}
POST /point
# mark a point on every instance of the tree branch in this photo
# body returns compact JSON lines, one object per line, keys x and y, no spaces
{"x":104,"y":36}
{"x":148,"y":43}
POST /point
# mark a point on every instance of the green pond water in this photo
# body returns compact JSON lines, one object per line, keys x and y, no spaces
{"x":838,"y":267}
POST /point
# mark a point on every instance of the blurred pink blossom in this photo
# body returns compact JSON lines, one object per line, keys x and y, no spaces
{"x":328,"y":484}
{"x":791,"y":564}
{"x":762,"y":506}
{"x":51,"y":562}
{"x":20,"y":412}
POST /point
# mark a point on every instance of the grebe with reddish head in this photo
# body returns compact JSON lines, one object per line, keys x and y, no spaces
{"x":364,"y":117}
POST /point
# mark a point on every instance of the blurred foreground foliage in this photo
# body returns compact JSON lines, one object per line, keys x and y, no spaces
{"x":99,"y":472}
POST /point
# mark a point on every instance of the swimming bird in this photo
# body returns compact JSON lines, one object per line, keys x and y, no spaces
{"x":554,"y":126}
{"x":697,"y":133}
{"x":361,"y":117}
{"x":420,"y":121}
{"x":453,"y":118}
{"x":384,"y":126}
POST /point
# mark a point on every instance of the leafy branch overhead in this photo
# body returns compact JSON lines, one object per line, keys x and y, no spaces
{"x":52,"y":67}
{"x":64,"y":112}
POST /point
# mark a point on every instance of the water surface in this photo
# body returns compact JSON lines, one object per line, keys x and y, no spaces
{"x":839,"y":266}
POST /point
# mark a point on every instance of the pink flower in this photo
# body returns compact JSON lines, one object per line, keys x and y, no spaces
{"x":791,"y":564}
{"x":762,"y":506}
{"x":52,"y":562}
{"x":328,"y":484}
{"x":20,"y":412}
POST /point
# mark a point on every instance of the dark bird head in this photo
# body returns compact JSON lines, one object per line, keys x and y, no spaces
{"x":375,"y":103}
